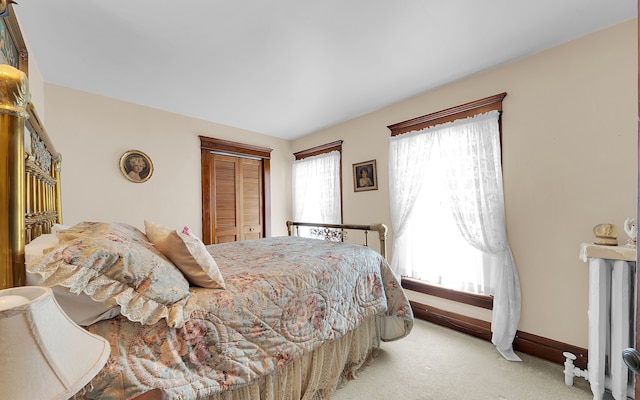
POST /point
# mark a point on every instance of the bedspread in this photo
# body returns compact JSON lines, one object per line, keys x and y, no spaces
{"x":284,"y":298}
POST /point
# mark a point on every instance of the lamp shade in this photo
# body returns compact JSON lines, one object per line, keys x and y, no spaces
{"x":43,"y":353}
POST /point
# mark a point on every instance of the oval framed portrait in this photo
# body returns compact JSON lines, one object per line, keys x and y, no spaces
{"x":136,"y":166}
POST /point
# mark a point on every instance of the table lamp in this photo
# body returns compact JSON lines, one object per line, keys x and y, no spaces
{"x":44,"y":354}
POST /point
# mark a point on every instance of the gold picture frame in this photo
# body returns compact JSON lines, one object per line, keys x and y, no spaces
{"x":365,"y":176}
{"x":136,"y":166}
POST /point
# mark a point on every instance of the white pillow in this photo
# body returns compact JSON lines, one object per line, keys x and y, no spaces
{"x":36,"y":248}
{"x":188,"y":253}
{"x":80,"y":308}
{"x":115,"y":264}
{"x":58,"y":227}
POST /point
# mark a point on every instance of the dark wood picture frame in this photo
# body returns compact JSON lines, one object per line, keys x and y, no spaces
{"x":365,"y":176}
{"x":128,"y":162}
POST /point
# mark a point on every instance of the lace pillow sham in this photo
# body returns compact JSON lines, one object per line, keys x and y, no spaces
{"x":115,"y":264}
{"x":82,"y":309}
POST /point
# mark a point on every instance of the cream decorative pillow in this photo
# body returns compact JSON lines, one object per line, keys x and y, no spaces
{"x":115,"y":264}
{"x":188,"y":253}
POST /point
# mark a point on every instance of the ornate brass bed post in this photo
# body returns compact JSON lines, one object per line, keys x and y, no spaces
{"x":57,"y":167}
{"x":14,"y":98}
{"x":382,"y":235}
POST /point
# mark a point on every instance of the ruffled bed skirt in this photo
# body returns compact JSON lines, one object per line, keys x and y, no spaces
{"x":316,"y":375}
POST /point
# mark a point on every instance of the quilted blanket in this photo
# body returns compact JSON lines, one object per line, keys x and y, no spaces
{"x":284,"y":298}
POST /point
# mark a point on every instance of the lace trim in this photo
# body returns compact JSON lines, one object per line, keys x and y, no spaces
{"x":134,"y":305}
{"x":317,"y":374}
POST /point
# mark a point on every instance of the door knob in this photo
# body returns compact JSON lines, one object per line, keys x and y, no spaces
{"x":631,"y":357}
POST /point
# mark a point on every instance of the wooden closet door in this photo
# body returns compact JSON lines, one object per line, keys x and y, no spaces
{"x":226,"y":199}
{"x":235,"y":191}
{"x":251,"y":205}
{"x":237,"y":209}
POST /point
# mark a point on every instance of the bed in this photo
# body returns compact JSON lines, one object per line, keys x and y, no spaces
{"x":274,"y":318}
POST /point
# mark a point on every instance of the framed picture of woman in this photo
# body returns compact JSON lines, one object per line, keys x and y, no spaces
{"x":365,"y":176}
{"x":136,"y":166}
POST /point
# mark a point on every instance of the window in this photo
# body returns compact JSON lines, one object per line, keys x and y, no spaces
{"x":433,"y":160}
{"x":317,"y":183}
{"x":439,"y":253}
{"x":447,"y":208}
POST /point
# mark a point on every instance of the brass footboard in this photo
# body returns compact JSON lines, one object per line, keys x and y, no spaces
{"x":338,"y":232}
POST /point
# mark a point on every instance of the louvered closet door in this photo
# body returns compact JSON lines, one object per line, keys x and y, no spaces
{"x":235,"y":191}
{"x":237,"y":198}
{"x":251,"y":198}
{"x":225,"y":197}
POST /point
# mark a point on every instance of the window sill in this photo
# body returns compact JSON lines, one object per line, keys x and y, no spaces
{"x":473,"y":299}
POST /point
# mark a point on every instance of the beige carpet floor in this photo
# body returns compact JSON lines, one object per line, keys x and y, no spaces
{"x":441,"y":364}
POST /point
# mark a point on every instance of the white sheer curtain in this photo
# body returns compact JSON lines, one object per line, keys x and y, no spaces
{"x":458,"y":165}
{"x":316,"y":189}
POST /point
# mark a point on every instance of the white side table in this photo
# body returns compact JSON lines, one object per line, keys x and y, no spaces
{"x":612,"y":292}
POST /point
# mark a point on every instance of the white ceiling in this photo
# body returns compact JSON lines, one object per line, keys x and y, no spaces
{"x":288,"y":68}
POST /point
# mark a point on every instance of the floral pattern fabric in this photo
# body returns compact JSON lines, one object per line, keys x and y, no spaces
{"x":284,"y":298}
{"x":115,"y":264}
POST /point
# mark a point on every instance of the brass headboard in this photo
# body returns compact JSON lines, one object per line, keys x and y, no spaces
{"x":30,"y":186}
{"x":43,"y":206}
{"x":30,"y":165}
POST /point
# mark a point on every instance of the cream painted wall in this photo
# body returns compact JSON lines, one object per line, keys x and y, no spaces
{"x":36,"y":87}
{"x":569,"y":159}
{"x":92,"y":132}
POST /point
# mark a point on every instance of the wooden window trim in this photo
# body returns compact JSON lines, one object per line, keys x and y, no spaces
{"x":466,"y":110}
{"x":450,"y":114}
{"x":323,"y":149}
{"x":473,"y":299}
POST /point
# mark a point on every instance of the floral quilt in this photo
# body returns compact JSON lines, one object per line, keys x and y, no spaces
{"x":284,"y":297}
